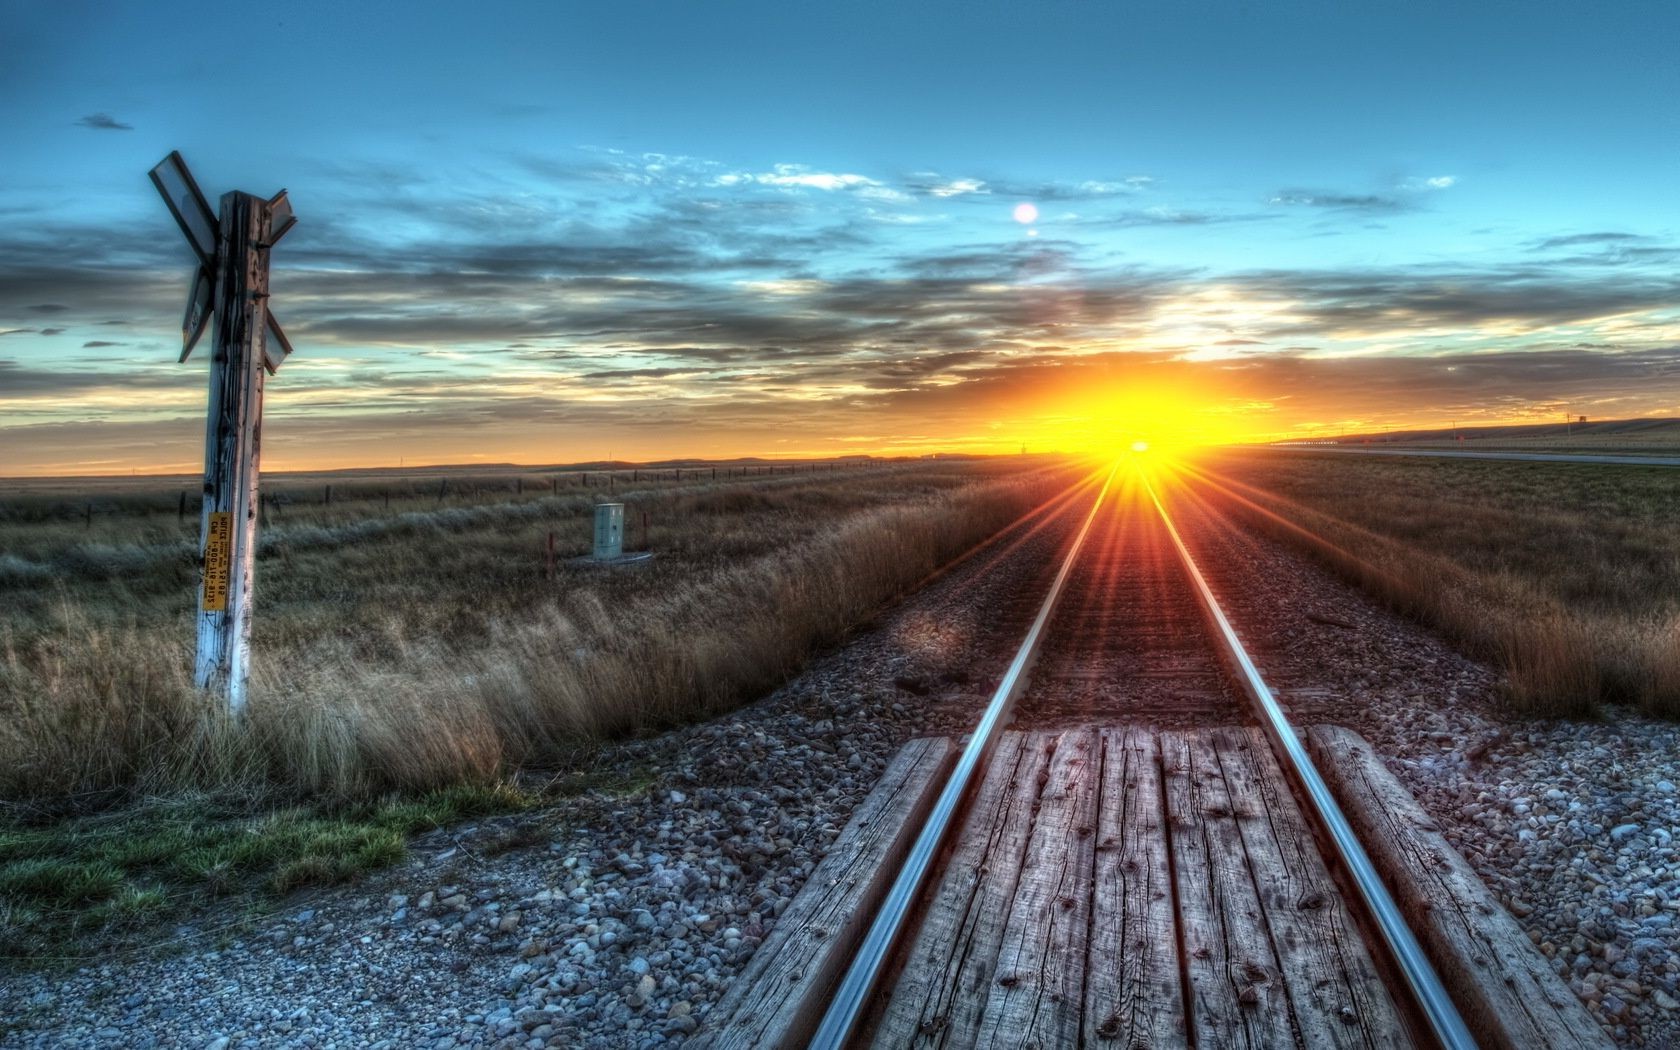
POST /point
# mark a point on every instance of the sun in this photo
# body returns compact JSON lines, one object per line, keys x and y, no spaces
{"x":1159,"y":420}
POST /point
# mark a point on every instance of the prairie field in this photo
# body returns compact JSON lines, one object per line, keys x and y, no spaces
{"x":1566,"y":575}
{"x":1653,"y":437}
{"x":413,"y":632}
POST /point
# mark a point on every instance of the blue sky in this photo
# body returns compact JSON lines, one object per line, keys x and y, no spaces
{"x":548,"y":232}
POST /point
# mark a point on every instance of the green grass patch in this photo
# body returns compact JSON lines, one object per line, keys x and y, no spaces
{"x":127,"y":867}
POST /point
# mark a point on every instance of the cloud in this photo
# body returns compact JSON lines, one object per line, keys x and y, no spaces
{"x":94,"y":344}
{"x":653,"y":293}
{"x":1609,"y":248}
{"x":1406,"y":196}
{"x":1575,"y":240}
{"x":1408,"y":300}
{"x":1365,"y":203}
{"x":1101,"y":188}
{"x":957,"y":187}
{"x":797,"y":176}
{"x":103,"y":122}
{"x":932,"y":184}
{"x":1158,"y":215}
{"x":19,"y":380}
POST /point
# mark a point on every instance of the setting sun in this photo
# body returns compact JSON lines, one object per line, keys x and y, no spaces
{"x":1131,"y":410}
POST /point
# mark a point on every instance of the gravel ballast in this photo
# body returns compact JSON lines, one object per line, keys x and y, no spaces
{"x":615,"y":918}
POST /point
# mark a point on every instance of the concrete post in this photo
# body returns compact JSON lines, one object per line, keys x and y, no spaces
{"x":609,"y":531}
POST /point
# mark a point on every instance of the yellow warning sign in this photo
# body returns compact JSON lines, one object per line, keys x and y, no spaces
{"x":218,"y":561}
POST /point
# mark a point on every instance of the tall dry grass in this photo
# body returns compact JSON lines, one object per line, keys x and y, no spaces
{"x":427,"y":649}
{"x":1566,"y":576}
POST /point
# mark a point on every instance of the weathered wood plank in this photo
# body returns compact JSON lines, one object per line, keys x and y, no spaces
{"x":1133,"y":997}
{"x":1336,"y":995}
{"x":779,"y":998}
{"x":1236,"y":991}
{"x":940,"y":994}
{"x":1507,"y":994}
{"x":1037,"y":989}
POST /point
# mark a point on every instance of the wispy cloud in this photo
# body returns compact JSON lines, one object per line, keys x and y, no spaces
{"x":957,"y":187}
{"x":1365,"y":203}
{"x":1405,"y":196}
{"x":790,"y":176}
{"x":103,"y":122}
{"x":932,"y":184}
{"x":1609,"y":249}
{"x":1577,"y":240}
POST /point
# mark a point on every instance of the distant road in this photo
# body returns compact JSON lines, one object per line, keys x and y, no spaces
{"x":1538,"y":457}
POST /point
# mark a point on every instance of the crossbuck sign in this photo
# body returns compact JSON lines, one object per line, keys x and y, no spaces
{"x":230,"y":284}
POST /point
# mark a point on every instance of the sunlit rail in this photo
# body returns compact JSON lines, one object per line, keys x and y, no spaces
{"x":1421,"y":979}
{"x":850,"y":1002}
{"x":850,"y":998}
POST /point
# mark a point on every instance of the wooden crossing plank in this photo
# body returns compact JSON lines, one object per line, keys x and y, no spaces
{"x":1506,"y":992}
{"x":778,"y":999}
{"x":940,"y":994}
{"x":1133,"y":997}
{"x":1037,"y":988}
{"x":1335,"y":993}
{"x":1236,"y":992}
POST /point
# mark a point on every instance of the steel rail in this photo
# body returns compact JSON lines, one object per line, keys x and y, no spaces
{"x":1421,"y":978}
{"x":847,"y":1006}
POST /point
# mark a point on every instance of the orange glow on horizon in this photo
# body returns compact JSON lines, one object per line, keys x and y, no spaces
{"x":1138,"y":417}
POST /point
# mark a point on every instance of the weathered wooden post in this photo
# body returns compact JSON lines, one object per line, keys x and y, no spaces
{"x":232,"y":284}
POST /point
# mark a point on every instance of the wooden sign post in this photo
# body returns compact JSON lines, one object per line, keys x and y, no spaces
{"x":232,"y":284}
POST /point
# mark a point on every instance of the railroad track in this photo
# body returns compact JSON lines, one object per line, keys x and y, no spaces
{"x":1099,"y":657}
{"x":1133,"y":850}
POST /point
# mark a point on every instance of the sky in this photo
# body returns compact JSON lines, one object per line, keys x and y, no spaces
{"x":556,"y":232}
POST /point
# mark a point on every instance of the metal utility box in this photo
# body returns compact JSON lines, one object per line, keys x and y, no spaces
{"x":609,"y":531}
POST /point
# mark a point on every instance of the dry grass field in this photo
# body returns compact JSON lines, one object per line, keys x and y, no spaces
{"x":1568,"y":575}
{"x":1656,"y":437}
{"x":423,"y":643}
{"x":412,"y":650}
